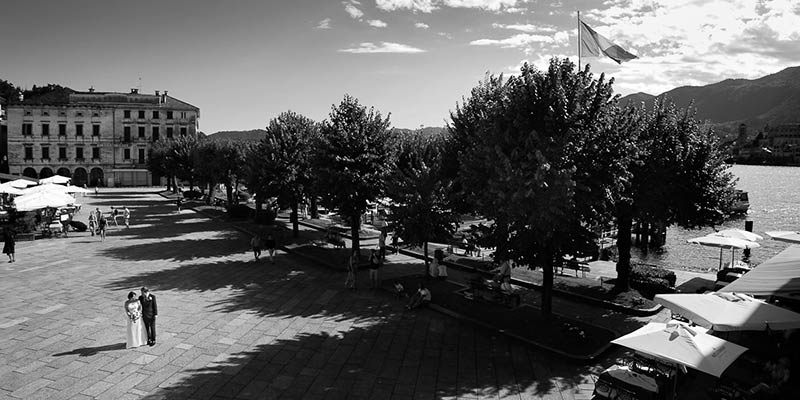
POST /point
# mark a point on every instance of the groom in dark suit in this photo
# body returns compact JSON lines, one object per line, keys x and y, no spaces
{"x":149,"y":312}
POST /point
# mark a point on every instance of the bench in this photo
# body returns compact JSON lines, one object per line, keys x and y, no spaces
{"x":335,"y":240}
{"x":574,"y":265}
{"x":490,"y":291}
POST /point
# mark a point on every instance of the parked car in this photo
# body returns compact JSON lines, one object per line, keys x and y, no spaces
{"x":728,"y":275}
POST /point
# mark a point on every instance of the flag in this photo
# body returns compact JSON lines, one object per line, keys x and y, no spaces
{"x":593,"y":43}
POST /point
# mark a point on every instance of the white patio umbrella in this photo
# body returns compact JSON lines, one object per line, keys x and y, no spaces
{"x":21,"y":183}
{"x":75,"y":189}
{"x":6,"y":188}
{"x":684,"y":345}
{"x":785,"y":236}
{"x":58,"y":179}
{"x":47,"y":187}
{"x":780,"y":275}
{"x":739,"y":234}
{"x":722,"y":242}
{"x":35,"y":201}
{"x":729,"y":311}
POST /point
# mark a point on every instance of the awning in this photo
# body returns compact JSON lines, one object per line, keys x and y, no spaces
{"x":729,"y":311}
{"x":780,"y":275}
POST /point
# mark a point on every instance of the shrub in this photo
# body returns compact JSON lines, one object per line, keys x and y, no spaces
{"x":239,"y":211}
{"x":192,"y":195}
{"x":645,"y":272}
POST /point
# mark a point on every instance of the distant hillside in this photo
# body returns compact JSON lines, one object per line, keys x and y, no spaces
{"x":427,"y":131}
{"x":254,"y":135}
{"x":772,"y":99}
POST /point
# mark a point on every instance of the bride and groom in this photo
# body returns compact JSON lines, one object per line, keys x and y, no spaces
{"x":141,"y":314}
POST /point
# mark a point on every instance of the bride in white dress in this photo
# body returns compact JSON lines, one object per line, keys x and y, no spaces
{"x":136,"y":334}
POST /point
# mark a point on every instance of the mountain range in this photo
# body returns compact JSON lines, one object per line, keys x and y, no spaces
{"x":772,"y":99}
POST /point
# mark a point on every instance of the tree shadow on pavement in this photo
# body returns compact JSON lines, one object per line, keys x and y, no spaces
{"x":312,"y":337}
{"x":179,"y":250}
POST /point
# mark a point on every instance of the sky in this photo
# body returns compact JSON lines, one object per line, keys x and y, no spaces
{"x":243,"y":62}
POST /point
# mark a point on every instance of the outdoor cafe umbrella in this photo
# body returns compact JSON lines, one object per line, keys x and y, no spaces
{"x":729,"y":311}
{"x":780,"y":275}
{"x":21,"y":183}
{"x":785,"y":236}
{"x":47,"y":187}
{"x":684,"y":345}
{"x":75,"y":189}
{"x":6,"y":188}
{"x":35,"y":201}
{"x":723,"y":242}
{"x":739,"y":234}
{"x":58,"y":179}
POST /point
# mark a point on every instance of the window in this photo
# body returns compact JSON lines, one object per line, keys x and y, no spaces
{"x":155,"y":115}
{"x":141,"y":114}
{"x":183,"y":131}
{"x":45,"y":129}
{"x":28,"y":112}
{"x":183,"y":114}
{"x":62,"y":129}
{"x":126,"y":154}
{"x":169,"y":114}
{"x":95,"y":153}
{"x":96,"y":115}
{"x":62,"y":113}
{"x":155,"y":133}
{"x":79,"y":114}
{"x":169,"y":132}
{"x":78,"y":129}
{"x":141,"y":156}
{"x":141,"y":132}
{"x":126,"y":134}
{"x":27,"y":129}
{"x":95,"y":130}
{"x":126,"y":113}
{"x":45,"y":113}
{"x":62,"y":154}
{"x":45,"y":153}
{"x":79,"y":153}
{"x":28,"y":153}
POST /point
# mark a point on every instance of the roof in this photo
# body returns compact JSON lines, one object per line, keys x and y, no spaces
{"x":65,"y":97}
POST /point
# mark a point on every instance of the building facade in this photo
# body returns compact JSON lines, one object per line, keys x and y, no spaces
{"x":97,"y":138}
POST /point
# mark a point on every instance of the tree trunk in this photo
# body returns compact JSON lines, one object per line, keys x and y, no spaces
{"x":624,"y":223}
{"x":355,"y":226}
{"x":211,"y":194}
{"x":169,"y":184}
{"x":293,"y":219}
{"x":229,"y":193}
{"x":547,"y":285}
{"x":425,"y":251}
{"x":313,"y":206}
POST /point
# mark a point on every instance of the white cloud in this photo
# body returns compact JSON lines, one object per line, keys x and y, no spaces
{"x":527,"y":28}
{"x":422,"y":25}
{"x":324,"y":24}
{"x":384,"y":47}
{"x":520,"y":40}
{"x":377,"y":23}
{"x":427,"y":6}
{"x":353,"y":10}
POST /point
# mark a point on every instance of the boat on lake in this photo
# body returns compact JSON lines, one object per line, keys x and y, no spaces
{"x":741,"y":202}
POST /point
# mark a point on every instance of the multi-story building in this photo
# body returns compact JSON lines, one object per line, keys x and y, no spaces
{"x":97,"y":138}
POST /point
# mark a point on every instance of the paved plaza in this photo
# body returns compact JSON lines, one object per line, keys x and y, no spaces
{"x":229,"y":327}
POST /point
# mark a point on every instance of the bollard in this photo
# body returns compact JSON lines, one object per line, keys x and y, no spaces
{"x":748,"y":226}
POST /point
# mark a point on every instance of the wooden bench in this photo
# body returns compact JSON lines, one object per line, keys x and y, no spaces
{"x":576,"y":265}
{"x":335,"y":240}
{"x":491,"y":292}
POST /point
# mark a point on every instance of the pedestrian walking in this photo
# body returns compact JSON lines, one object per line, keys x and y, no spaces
{"x":126,"y":217}
{"x":115,"y":215}
{"x":270,"y":245}
{"x":102,"y":225}
{"x":179,"y":202}
{"x":255,"y":245}
{"x":352,"y":270}
{"x":92,"y":222}
{"x":149,"y":313}
{"x":9,"y":243}
{"x":374,"y":264}
{"x":382,"y":244}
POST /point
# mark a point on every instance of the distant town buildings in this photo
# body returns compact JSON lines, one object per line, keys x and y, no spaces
{"x":97,"y":138}
{"x":778,"y":144}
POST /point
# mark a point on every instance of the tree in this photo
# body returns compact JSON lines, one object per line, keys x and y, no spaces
{"x":540,"y":155}
{"x":678,"y":176}
{"x":220,"y":162}
{"x":281,"y":162}
{"x":353,"y":160}
{"x":420,"y":211}
{"x":158,"y":162}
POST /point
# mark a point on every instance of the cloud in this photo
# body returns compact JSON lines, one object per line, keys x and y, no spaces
{"x":324,"y":24}
{"x":520,"y":40}
{"x":427,"y":6}
{"x":422,"y":25}
{"x":377,"y":23}
{"x":351,"y":9}
{"x":384,"y":47}
{"x":527,"y":28}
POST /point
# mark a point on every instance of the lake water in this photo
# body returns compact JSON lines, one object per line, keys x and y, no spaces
{"x":774,"y":194}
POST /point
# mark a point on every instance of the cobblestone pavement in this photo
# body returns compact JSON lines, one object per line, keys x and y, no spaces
{"x":229,"y":327}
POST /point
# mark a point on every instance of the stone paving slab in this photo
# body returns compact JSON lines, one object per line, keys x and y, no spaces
{"x":229,"y":327}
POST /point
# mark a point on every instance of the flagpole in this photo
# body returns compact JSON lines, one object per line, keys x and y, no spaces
{"x":579,"y":40}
